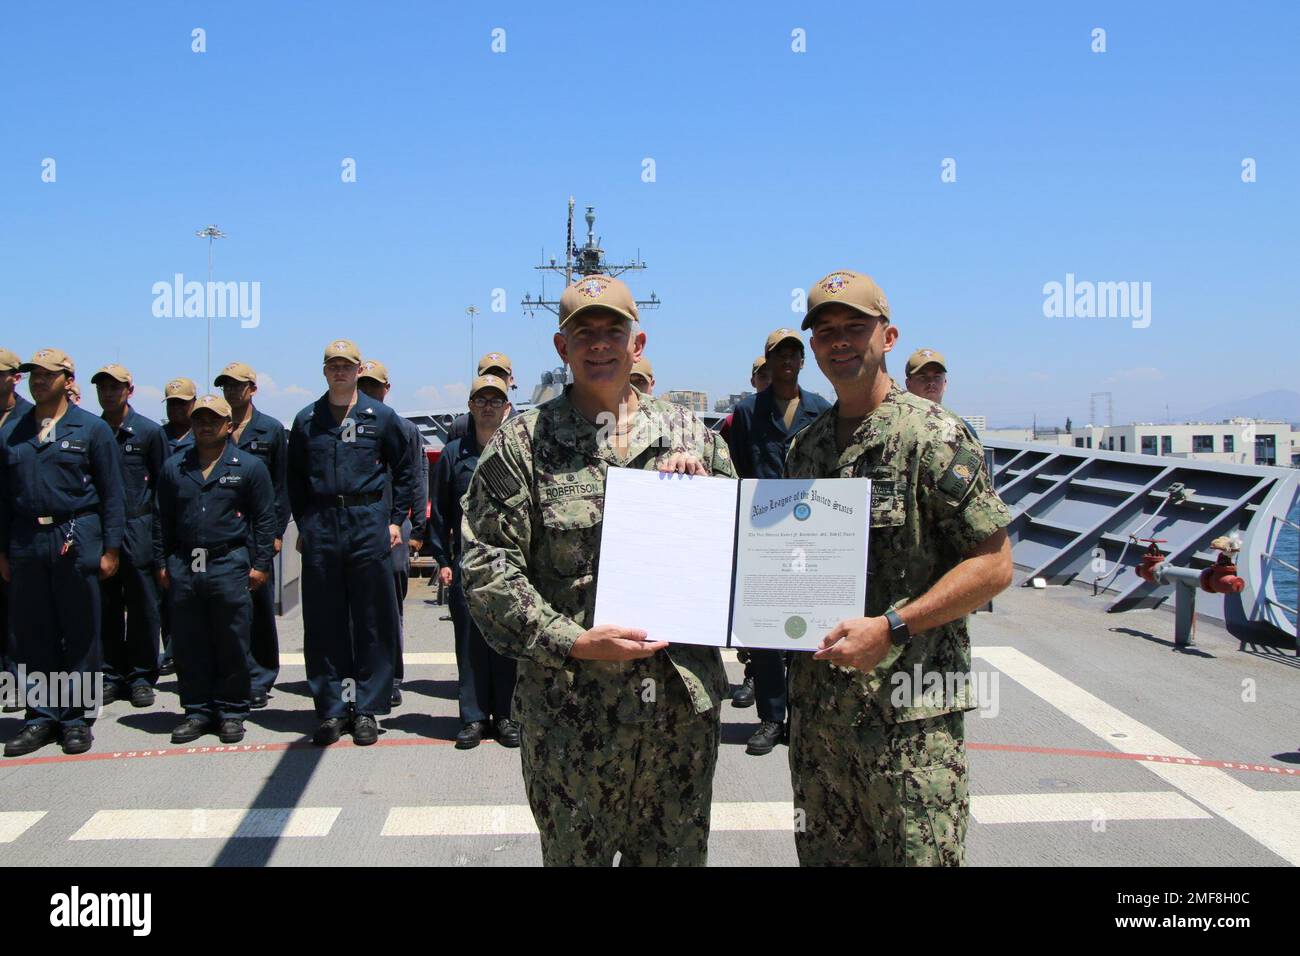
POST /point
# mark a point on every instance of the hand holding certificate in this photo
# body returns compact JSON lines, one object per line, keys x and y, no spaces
{"x":768,"y":563}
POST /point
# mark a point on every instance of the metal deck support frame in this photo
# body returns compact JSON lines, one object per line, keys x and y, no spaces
{"x":1252,"y":500}
{"x":1228,"y":518}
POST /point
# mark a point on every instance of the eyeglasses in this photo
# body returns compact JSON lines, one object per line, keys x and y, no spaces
{"x":481,"y":402}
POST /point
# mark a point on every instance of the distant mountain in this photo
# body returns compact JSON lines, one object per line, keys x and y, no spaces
{"x":1278,"y":404}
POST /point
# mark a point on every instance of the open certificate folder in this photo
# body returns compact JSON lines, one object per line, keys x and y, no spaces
{"x":755,"y":562}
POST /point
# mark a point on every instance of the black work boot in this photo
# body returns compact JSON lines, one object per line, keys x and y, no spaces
{"x":329,"y":732}
{"x":744,"y":694}
{"x":191,"y":728}
{"x":471,"y":735}
{"x":77,"y":740}
{"x":765,"y":738}
{"x":32,"y":737}
{"x":364,"y":730}
{"x":231,"y":731}
{"x":507,"y":732}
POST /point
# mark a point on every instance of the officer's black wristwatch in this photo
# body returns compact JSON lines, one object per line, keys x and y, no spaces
{"x":898,"y":632}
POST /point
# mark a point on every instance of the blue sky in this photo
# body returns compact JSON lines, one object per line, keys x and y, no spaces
{"x":772,"y":168}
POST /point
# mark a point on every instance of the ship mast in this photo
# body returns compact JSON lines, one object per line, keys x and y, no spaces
{"x":582,"y":261}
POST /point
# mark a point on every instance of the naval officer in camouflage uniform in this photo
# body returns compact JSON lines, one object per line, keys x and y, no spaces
{"x":619,"y":731}
{"x":877,"y":763}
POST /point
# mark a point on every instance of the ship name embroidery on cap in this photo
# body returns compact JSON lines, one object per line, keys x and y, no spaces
{"x":592,"y":288}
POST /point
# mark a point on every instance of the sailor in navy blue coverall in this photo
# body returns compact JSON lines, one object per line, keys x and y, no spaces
{"x":256,"y":433}
{"x":130,"y":617}
{"x":214,"y":545}
{"x":61,"y":526}
{"x":342,"y":450}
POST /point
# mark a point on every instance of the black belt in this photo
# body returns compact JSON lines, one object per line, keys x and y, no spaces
{"x":56,"y":519}
{"x":348,"y":501}
{"x":211,"y":554}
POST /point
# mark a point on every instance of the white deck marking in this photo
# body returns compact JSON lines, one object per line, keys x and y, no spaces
{"x":479,"y":820}
{"x":1067,"y":807}
{"x":487,"y":820}
{"x":1272,"y":818}
{"x":410,"y":659}
{"x":778,"y":817}
{"x":14,"y":823}
{"x":204,"y":824}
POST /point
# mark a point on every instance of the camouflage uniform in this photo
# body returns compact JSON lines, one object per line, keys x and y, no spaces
{"x":880,"y":773}
{"x":617,"y":756}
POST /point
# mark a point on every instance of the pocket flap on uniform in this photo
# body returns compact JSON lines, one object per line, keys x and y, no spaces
{"x":887,"y":506}
{"x":572,"y":536}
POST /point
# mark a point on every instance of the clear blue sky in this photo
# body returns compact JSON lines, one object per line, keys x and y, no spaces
{"x":772,"y":167}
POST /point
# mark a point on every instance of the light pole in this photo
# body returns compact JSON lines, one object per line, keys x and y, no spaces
{"x":210,"y":233}
{"x":471,"y":312}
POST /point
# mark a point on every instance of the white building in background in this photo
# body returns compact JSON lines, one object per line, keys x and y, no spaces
{"x":1238,"y":441}
{"x":697,"y":402}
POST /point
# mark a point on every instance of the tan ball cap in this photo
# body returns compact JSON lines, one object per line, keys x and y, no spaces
{"x":597,"y":292}
{"x":52,"y":360}
{"x":374,"y":370}
{"x":779,"y":336}
{"x":211,"y":403}
{"x":342,"y":348}
{"x":9,"y":361}
{"x":495,"y":360}
{"x":644,"y":368}
{"x":182,"y":388}
{"x":488,"y":381}
{"x":114,"y":371}
{"x":758,"y":364}
{"x":923,"y":357}
{"x":236,"y":372}
{"x":850,"y":288}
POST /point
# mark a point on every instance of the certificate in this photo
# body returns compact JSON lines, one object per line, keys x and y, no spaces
{"x":756,"y":562}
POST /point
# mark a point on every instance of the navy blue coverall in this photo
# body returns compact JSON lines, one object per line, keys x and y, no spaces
{"x":486,"y":678}
{"x":211,"y":531}
{"x":758,"y":441}
{"x":21,"y":405}
{"x":337,"y":479}
{"x":264,"y":437}
{"x":174,"y":446}
{"x":130,"y":627}
{"x":66,"y":490}
{"x":401,"y":555}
